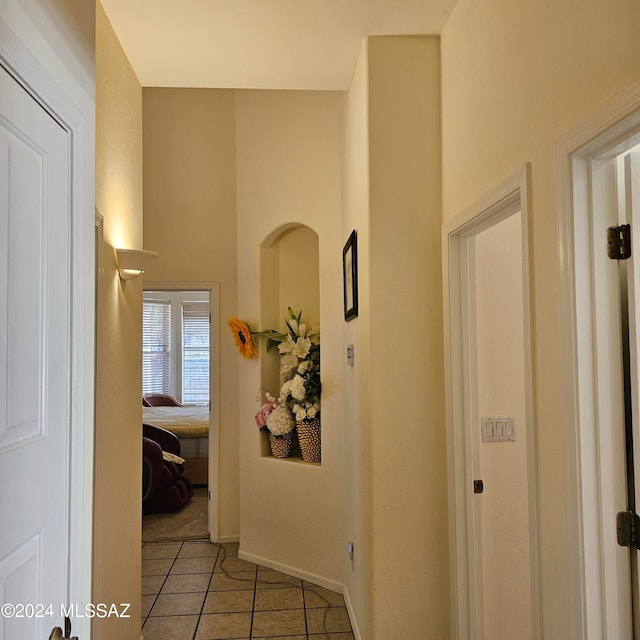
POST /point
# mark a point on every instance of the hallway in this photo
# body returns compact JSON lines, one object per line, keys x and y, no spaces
{"x":195,"y":590}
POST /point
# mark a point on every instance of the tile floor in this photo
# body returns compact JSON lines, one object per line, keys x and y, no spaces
{"x":200,"y":591}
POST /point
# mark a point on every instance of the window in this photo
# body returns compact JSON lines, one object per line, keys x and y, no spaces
{"x":156,"y":346}
{"x":176,"y":345}
{"x":195,"y":352}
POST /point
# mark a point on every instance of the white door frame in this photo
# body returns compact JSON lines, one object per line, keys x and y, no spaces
{"x":35,"y":53}
{"x":214,"y":393}
{"x":586,"y":200}
{"x":466,"y":588}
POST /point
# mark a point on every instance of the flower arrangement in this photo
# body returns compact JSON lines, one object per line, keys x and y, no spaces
{"x":274,"y":417}
{"x":299,"y":349}
{"x":299,"y":395}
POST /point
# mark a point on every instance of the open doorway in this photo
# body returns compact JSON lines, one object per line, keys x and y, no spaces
{"x":176,"y":367}
{"x":598,"y":176}
{"x":490,"y":427}
{"x":180,"y":368}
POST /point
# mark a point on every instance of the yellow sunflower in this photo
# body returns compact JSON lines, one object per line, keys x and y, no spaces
{"x":243,"y":337}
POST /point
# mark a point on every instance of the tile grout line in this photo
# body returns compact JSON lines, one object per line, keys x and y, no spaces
{"x":218,"y":559}
{"x":253,"y":604}
{"x":206,"y":594}
{"x":163,"y":583}
{"x":304,"y":610}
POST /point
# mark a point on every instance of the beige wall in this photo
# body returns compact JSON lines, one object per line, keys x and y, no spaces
{"x":118,"y":435}
{"x":288,"y":160}
{"x":407,"y":431}
{"x":356,"y":382}
{"x":299,"y":276}
{"x":515,"y":77}
{"x":190,"y":220}
{"x":395,"y":489}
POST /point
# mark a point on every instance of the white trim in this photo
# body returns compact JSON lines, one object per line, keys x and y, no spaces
{"x":332,"y":585}
{"x":29,"y":52}
{"x":352,"y":616}
{"x":604,"y":135}
{"x":466,"y":606}
{"x":214,"y":393}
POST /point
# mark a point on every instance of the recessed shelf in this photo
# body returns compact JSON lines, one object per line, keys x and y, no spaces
{"x":293,"y":459}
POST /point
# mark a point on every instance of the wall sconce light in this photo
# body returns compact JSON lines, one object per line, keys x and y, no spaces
{"x":133,"y":262}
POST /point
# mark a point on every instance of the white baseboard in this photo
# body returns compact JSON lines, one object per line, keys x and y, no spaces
{"x":321,"y":581}
{"x":354,"y":626}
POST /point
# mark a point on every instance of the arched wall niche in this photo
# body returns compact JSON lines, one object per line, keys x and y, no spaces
{"x":289,"y":277}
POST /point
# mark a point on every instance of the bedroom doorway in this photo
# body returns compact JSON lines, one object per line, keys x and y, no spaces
{"x":180,"y":359}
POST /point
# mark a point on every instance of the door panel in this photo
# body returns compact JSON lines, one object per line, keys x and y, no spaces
{"x":34,"y":360}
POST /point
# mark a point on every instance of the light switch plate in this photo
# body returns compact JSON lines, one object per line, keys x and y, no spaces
{"x":350,"y":355}
{"x":498,"y":429}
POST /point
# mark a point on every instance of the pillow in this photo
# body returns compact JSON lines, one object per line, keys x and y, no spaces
{"x":171,"y":457}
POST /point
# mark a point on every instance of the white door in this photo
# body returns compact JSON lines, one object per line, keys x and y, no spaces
{"x":34,"y":365}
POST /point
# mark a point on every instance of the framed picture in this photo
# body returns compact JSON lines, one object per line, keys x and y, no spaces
{"x":350,"y":277}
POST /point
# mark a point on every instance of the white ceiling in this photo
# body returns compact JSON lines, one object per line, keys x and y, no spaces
{"x":260,"y":44}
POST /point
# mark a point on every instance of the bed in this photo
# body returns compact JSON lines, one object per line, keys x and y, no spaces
{"x":191,"y":425}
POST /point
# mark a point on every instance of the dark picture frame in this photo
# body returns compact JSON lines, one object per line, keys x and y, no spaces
{"x":350,"y":277}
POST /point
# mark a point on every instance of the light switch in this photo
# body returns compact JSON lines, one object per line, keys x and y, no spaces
{"x":350,"y":355}
{"x":498,"y":429}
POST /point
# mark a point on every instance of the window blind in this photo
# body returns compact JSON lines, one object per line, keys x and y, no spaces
{"x":195,"y":352}
{"x":156,"y":346}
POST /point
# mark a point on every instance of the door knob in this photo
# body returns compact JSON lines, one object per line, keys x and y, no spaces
{"x":56,"y":632}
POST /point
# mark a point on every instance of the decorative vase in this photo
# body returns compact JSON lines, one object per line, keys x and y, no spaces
{"x":309,"y":438}
{"x":280,"y":445}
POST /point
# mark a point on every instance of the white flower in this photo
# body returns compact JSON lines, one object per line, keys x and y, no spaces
{"x":280,"y":421}
{"x":287,"y":364}
{"x":304,"y":365}
{"x":296,"y":387}
{"x":301,"y":347}
{"x":285,"y":389}
{"x":286,"y":345}
{"x":302,"y":330}
{"x":301,"y":414}
{"x":311,"y":412}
